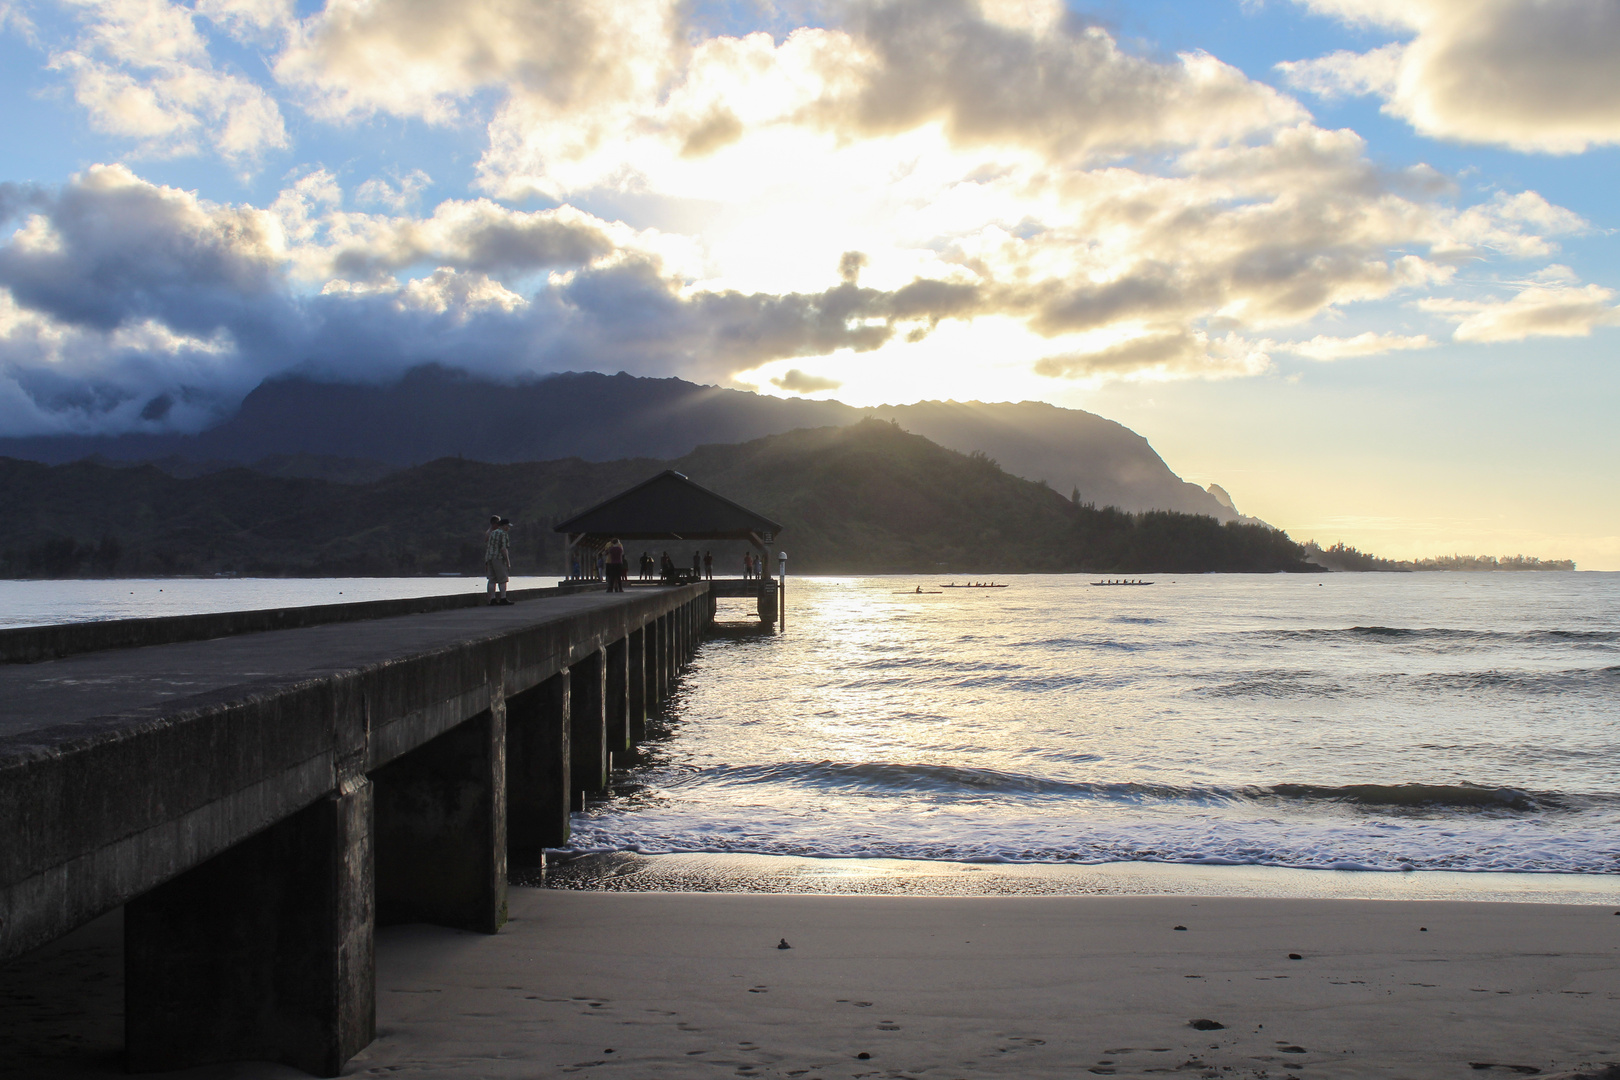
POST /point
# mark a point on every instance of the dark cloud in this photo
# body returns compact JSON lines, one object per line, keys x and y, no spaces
{"x":121,"y":250}
{"x":799,"y":382}
{"x":149,"y":308}
{"x":483,"y":238}
{"x":1174,"y":350}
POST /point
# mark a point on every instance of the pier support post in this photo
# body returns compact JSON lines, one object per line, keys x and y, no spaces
{"x":441,"y":828}
{"x":538,"y":791}
{"x":660,"y":626}
{"x":262,"y":953}
{"x":616,"y":698}
{"x":638,"y":685}
{"x":588,"y":724}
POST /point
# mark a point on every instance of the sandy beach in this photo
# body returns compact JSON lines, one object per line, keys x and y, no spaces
{"x":695,"y":985}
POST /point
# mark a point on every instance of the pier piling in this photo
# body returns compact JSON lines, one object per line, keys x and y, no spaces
{"x":538,"y":765}
{"x":262,"y":952}
{"x":588,"y":723}
{"x":617,"y":699}
{"x":636,"y":646}
{"x":441,"y":829}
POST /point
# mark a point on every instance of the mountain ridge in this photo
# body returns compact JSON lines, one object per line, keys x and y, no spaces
{"x":861,"y":498}
{"x":301,"y":425}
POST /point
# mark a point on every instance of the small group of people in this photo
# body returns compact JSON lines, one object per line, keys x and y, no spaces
{"x":753,"y":567}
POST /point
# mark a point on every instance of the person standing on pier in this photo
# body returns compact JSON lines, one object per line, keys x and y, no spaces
{"x":497,"y":558}
{"x":748,"y":565}
{"x":708,"y":565}
{"x":615,"y":566}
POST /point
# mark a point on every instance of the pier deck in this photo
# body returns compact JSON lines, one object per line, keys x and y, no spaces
{"x":259,"y":801}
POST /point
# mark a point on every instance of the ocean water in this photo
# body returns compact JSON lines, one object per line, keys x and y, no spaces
{"x":37,"y":603}
{"x":1455,"y":722}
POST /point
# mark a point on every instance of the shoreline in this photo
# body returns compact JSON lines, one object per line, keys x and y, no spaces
{"x":747,"y":873}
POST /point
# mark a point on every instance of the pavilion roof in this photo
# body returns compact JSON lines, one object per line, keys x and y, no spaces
{"x":669,"y":506}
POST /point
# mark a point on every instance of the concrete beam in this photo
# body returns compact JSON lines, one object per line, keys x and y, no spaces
{"x":261,"y":953}
{"x":538,"y":792}
{"x":441,"y":829}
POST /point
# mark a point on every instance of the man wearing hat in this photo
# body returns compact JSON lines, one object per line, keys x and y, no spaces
{"x":498,"y":558}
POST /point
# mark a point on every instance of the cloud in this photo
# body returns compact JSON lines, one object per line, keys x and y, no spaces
{"x":1164,"y":354}
{"x":845,"y":188}
{"x":1015,"y":78}
{"x":1533,"y":75}
{"x":397,"y":194}
{"x":111,"y":248}
{"x":1367,"y":344}
{"x":799,"y":382}
{"x":1535,"y":311}
{"x":141,"y":70}
{"x":1347,"y":73}
{"x":115,"y":292}
{"x":355,"y":59}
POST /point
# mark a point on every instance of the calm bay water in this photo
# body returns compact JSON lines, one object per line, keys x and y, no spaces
{"x":1425,"y":721}
{"x":35,"y":603}
{"x":1432,"y":721}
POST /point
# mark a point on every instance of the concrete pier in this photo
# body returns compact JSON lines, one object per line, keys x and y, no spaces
{"x":259,"y":800}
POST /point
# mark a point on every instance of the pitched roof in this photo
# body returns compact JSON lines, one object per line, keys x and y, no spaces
{"x":669,"y":506}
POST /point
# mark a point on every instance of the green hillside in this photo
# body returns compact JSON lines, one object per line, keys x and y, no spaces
{"x":857,"y":499}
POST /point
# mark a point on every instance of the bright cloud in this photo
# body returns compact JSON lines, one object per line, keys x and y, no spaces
{"x":1535,"y":311}
{"x":141,"y":70}
{"x":1537,"y":75}
{"x":1321,"y":347}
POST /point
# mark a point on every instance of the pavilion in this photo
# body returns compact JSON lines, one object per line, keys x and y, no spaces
{"x":668,"y":507}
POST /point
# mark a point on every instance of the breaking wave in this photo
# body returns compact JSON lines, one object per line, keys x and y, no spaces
{"x":954,"y":780}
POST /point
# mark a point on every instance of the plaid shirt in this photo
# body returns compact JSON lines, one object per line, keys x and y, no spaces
{"x":497,"y":547}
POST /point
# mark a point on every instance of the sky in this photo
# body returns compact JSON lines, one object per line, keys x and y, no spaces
{"x":1354,"y":260}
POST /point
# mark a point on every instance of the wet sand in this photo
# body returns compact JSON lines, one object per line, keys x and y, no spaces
{"x":695,"y":985}
{"x":692,"y":984}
